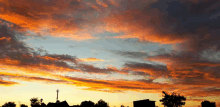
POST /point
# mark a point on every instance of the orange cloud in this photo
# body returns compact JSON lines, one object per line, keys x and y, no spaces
{"x":9,"y":61}
{"x":98,"y":85}
{"x":7,"y":83}
{"x":106,"y":85}
{"x":114,"y":2}
{"x":40,"y":69}
{"x":90,"y":59}
{"x":137,"y":24}
{"x":29,"y":16}
{"x":3,"y":38}
{"x":123,"y":71}
{"x":192,"y":76}
{"x":95,"y":7}
{"x":150,"y":72}
{"x":29,"y":78}
{"x":206,"y":64}
{"x":100,"y":2}
{"x":115,"y":85}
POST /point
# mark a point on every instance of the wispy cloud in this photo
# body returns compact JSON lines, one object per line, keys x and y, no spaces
{"x":90,"y":59}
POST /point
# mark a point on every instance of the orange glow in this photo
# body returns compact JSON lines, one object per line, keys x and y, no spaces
{"x":91,"y":59}
{"x":94,"y":84}
{"x":209,"y":76}
{"x":95,"y":7}
{"x":9,"y":61}
{"x":2,"y":38}
{"x":115,"y":85}
{"x":206,"y":64}
{"x":7,"y":83}
{"x":151,"y":72}
{"x":8,"y":38}
{"x":47,"y":57}
{"x":181,"y":70}
{"x":100,"y":2}
{"x":36,"y":23}
{"x":113,"y":2}
{"x":118,"y":71}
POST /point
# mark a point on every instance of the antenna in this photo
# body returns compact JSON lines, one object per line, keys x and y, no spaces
{"x":57,"y":93}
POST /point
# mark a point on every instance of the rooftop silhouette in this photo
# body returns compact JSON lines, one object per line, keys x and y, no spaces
{"x":144,"y":103}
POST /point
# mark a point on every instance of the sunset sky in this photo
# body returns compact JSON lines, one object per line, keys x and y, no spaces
{"x":116,"y":50}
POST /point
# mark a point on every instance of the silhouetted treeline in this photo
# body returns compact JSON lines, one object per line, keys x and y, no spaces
{"x":208,"y":104}
{"x":23,"y":105}
{"x":9,"y":104}
{"x":100,"y":103}
{"x":172,"y":100}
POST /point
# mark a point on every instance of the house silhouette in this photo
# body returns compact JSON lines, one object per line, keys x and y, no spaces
{"x":144,"y":103}
{"x":58,"y":104}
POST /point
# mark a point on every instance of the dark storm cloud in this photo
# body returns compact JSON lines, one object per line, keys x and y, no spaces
{"x":198,"y":19}
{"x":190,"y":25}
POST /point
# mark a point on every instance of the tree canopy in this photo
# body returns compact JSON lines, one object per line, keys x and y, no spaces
{"x":23,"y":105}
{"x":35,"y":102}
{"x":208,"y":104}
{"x":172,"y":100}
{"x":9,"y":104}
{"x":101,"y":103}
{"x":87,"y":104}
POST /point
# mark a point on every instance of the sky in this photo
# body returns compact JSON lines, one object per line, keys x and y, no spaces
{"x":116,"y":50}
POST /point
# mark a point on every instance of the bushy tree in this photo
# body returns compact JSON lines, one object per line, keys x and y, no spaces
{"x":172,"y":100}
{"x":208,"y":104}
{"x":23,"y":105}
{"x":35,"y":102}
{"x":9,"y":104}
{"x":87,"y":104}
{"x":42,"y":103}
{"x":101,"y":103}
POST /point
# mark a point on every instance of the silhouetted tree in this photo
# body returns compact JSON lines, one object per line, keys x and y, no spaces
{"x":35,"y":102}
{"x":87,"y":104}
{"x":101,"y":103}
{"x":23,"y":105}
{"x":172,"y":100}
{"x":208,"y":104}
{"x":9,"y":104}
{"x":122,"y":106}
{"x":42,"y":104}
{"x":41,"y":100}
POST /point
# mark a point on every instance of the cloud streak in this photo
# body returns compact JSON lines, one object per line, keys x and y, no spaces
{"x":91,"y":59}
